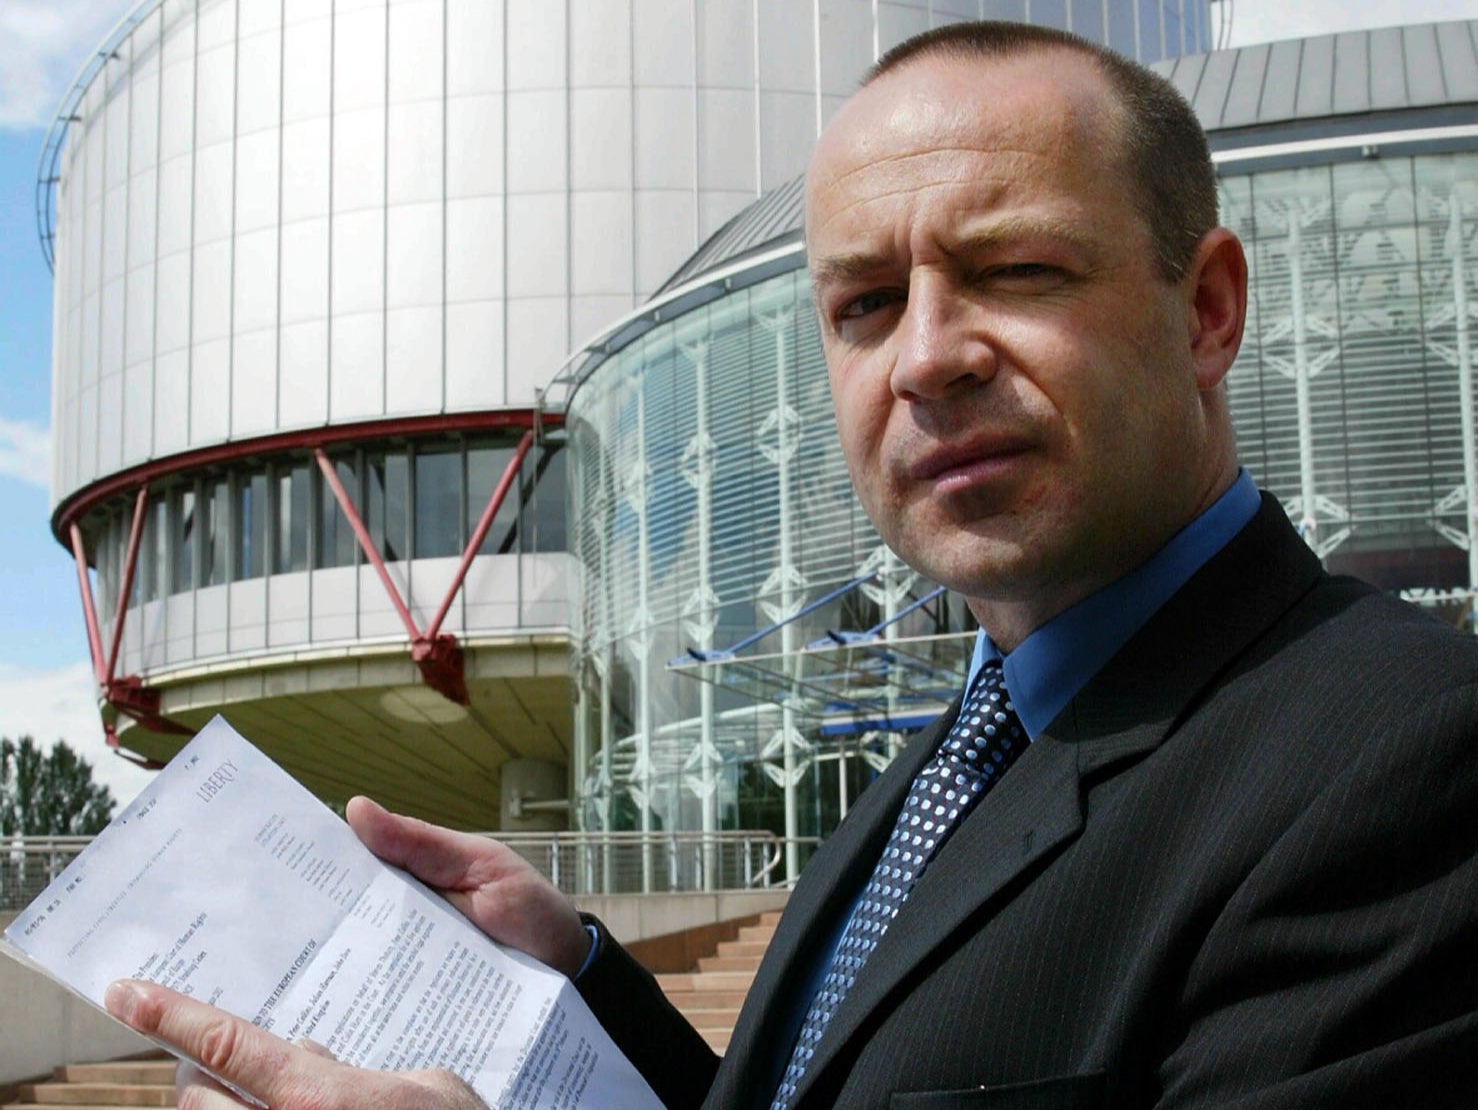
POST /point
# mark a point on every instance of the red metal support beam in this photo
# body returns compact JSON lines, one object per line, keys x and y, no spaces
{"x":367,"y":545}
{"x":130,"y":565}
{"x":89,"y":608}
{"x":127,"y":695}
{"x":495,"y":502}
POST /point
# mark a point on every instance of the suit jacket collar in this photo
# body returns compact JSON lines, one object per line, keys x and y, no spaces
{"x":1123,"y":713}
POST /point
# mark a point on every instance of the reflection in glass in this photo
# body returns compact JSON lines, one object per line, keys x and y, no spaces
{"x":252,"y":522}
{"x":438,"y":503}
{"x":291,"y":550}
{"x":182,"y":529}
{"x":485,"y":467}
{"x":217,"y":558}
{"x":336,"y":543}
{"x":387,"y":481}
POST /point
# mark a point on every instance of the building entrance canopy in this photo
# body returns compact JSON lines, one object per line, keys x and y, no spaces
{"x":846,"y":681}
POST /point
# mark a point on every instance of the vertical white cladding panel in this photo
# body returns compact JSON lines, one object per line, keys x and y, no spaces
{"x":210,"y":390}
{"x":474,"y":248}
{"x":254,"y":282}
{"x":171,"y":398}
{"x":474,"y":47}
{"x":788,"y":52}
{"x":413,"y":252}
{"x":600,"y":44}
{"x":537,"y":52}
{"x":474,"y":339}
{"x":600,"y":139}
{"x":257,"y":189}
{"x":538,"y":131}
{"x":254,"y":383}
{"x":664,"y":30}
{"x":726,"y":118}
{"x":537,"y":331}
{"x":664,"y":139}
{"x":415,"y":157}
{"x":600,"y":238}
{"x":413,"y":359}
{"x":725,"y":40}
{"x":303,"y":380}
{"x":537,"y":247}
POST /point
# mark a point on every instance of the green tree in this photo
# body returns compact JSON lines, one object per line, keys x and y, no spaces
{"x":49,"y":793}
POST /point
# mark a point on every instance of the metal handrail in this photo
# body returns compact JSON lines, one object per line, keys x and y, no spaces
{"x":576,"y":862}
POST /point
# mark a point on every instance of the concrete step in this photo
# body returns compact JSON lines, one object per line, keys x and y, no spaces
{"x":728,"y":963}
{"x":705,"y":981}
{"x":756,"y":934}
{"x":753,"y":949}
{"x":118,"y":1071}
{"x":98,"y":1094}
{"x":706,"y":1000}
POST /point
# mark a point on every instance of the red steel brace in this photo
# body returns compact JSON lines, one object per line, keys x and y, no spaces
{"x":434,"y":652}
{"x":128,"y":695}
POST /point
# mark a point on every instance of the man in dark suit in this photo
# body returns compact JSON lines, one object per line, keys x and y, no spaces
{"x":1235,"y":865}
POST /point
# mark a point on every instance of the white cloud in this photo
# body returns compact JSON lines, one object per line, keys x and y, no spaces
{"x":25,"y":452}
{"x":43,"y":44}
{"x":61,"y":704}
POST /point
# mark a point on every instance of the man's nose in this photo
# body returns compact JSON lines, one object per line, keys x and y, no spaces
{"x":941,"y":344}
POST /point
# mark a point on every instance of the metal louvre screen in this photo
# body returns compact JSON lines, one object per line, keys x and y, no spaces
{"x":1347,"y":395}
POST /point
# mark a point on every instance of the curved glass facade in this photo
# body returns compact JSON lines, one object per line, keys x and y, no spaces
{"x":710,"y":500}
{"x":711,"y":506}
{"x":1348,"y":397}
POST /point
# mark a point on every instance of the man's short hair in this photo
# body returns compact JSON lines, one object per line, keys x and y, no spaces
{"x":1168,"y":163}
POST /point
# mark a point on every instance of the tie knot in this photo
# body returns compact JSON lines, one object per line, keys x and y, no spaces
{"x":987,"y":729}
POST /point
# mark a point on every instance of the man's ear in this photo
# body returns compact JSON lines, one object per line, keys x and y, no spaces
{"x":1216,"y":291}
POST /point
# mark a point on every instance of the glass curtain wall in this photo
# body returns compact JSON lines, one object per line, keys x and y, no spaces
{"x":1349,"y":398}
{"x":710,"y":501}
{"x":711,"y":504}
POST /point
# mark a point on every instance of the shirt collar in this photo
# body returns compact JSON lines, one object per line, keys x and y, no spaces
{"x":1053,"y":663}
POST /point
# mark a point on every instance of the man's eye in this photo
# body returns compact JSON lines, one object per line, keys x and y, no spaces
{"x":1022,"y":271}
{"x":867,"y":303}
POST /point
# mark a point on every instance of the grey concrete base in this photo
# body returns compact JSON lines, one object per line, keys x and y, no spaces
{"x":43,"y":1025}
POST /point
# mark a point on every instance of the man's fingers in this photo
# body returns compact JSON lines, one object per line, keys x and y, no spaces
{"x":194,"y":1090}
{"x":227,"y":1046}
{"x":438,"y":857}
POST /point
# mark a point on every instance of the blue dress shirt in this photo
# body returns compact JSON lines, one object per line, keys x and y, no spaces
{"x":1056,"y":660}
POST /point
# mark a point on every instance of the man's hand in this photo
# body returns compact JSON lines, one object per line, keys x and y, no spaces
{"x":275,"y":1073}
{"x":497,"y":889}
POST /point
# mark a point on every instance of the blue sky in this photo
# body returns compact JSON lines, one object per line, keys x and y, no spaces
{"x":46,"y":685}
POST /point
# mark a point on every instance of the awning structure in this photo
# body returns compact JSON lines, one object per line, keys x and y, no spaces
{"x":847,"y":681}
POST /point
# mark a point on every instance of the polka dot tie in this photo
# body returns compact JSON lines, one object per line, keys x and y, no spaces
{"x":984,"y":742}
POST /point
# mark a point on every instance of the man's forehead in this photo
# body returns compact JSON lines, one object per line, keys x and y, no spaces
{"x":938,"y":103}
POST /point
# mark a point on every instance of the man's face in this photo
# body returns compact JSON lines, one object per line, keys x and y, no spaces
{"x":1013,"y":378}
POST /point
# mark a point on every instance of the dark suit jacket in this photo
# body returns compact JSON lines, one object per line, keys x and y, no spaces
{"x":1239,"y":870}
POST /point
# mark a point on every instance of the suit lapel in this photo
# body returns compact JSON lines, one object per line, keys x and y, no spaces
{"x":1122,"y":714}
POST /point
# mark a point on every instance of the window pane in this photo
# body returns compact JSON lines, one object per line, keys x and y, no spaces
{"x":544,"y":515}
{"x":438,"y":503}
{"x":292,"y":521}
{"x":485,"y":466}
{"x":253,"y":525}
{"x":216,"y":562}
{"x":387,"y":487}
{"x":336,"y":543}
{"x":182,"y":508}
